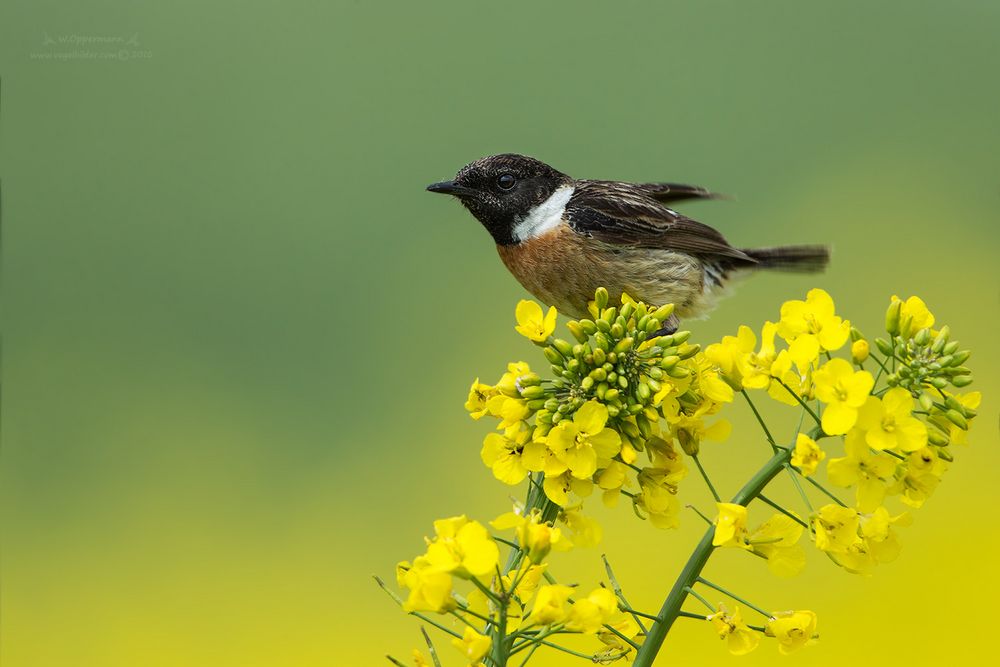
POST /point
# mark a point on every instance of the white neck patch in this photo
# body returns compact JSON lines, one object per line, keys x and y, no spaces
{"x":545,"y":217}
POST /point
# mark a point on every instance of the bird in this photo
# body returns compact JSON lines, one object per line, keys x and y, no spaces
{"x":564,"y":238}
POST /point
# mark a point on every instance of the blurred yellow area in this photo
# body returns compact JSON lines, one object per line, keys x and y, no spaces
{"x":238,"y":333}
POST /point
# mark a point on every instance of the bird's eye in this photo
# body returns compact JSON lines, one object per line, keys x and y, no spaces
{"x":505,"y":181}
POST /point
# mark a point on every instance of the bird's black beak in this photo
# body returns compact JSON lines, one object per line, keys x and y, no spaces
{"x":449,"y":188}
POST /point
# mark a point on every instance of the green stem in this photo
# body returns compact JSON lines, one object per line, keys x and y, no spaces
{"x":696,"y":563}
{"x":616,"y":587}
{"x":782,"y":510}
{"x":760,"y":420}
{"x":805,"y":405}
{"x":704,"y":475}
{"x":735,"y":597}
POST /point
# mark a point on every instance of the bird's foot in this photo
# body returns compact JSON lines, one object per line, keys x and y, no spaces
{"x":670,"y":326}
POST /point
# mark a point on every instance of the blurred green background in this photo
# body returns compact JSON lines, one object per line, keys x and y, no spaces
{"x":238,"y":333}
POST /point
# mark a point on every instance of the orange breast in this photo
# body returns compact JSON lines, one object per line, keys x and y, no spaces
{"x":563,"y":268}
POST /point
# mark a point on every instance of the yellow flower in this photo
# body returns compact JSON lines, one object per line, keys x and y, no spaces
{"x":876,"y":529}
{"x":868,"y":470}
{"x":811,"y":325}
{"x":503,"y":455}
{"x":550,"y":605}
{"x":807,"y":454}
{"x":727,"y":354}
{"x":534,"y":536}
{"x":777,"y":540}
{"x":473,"y":646}
{"x":530,"y":322}
{"x":742,"y":639}
{"x":690,"y":430}
{"x":430,"y":588}
{"x":419,"y":660}
{"x":913,"y":315}
{"x":611,"y":480}
{"x":860,"y":351}
{"x":592,"y":612}
{"x":836,"y":528}
{"x":584,"y":441}
{"x":730,"y":526}
{"x":463,"y":548}
{"x":844,"y":391}
{"x":889,"y":423}
{"x":707,"y":380}
{"x":479,"y":396}
{"x":755,"y":367}
{"x":584,"y":530}
{"x":919,"y":477}
{"x":798,"y":381}
{"x":657,"y":496}
{"x":558,"y":487}
{"x":792,"y":629}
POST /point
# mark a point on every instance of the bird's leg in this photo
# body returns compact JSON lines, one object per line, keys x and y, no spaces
{"x":670,"y":326}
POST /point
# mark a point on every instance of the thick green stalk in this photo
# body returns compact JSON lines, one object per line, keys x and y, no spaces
{"x":692,"y":570}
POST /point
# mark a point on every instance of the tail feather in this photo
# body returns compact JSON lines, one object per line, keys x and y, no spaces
{"x":796,"y":258}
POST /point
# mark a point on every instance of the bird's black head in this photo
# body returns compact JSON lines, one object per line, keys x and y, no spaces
{"x":502,"y":190}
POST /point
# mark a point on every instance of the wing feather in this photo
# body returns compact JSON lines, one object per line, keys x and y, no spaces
{"x":628,"y":214}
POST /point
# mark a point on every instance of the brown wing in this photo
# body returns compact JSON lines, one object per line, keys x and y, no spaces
{"x":628,"y":214}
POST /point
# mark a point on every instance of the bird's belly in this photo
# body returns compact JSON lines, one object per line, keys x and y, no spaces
{"x":564,"y":268}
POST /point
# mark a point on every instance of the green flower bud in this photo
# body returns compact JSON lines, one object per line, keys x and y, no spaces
{"x":936,"y":437}
{"x":892,"y":317}
{"x":603,"y":326}
{"x":643,"y":321}
{"x":611,"y":395}
{"x":623,"y":382}
{"x":599,"y":375}
{"x":564,"y":348}
{"x":678,"y":372}
{"x":940,"y":383}
{"x":552,"y":355}
{"x":645,"y":428}
{"x":959,"y":358}
{"x":587,"y":383}
{"x":653,"y":384}
{"x":630,"y":429}
{"x":612,"y":410}
{"x":946,"y":455}
{"x":600,"y":356}
{"x":856,"y":335}
{"x":601,"y":341}
{"x":588,"y":326}
{"x":577,"y":331}
{"x":643,"y":392}
{"x":556,"y":418}
{"x":533,"y":392}
{"x":923,"y":337}
{"x":602,"y":390}
{"x":906,"y":326}
{"x":669,"y":362}
{"x":627,"y":310}
{"x":688,"y":351}
{"x":536,"y":404}
{"x":950,"y":348}
{"x":956,"y":418}
{"x":552,"y":404}
{"x":664,"y":312}
{"x":609,"y":314}
{"x":617,"y":330}
{"x":962,"y":381}
{"x":688,"y":444}
{"x":624,"y":345}
{"x":680,"y":337}
{"x":580,"y":350}
{"x":601,"y":298}
{"x":573,"y":365}
{"x":926,"y":402}
{"x":654,"y":372}
{"x":883,"y":346}
{"x":612,"y":377}
{"x":940,"y":340}
{"x":946,"y":360}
